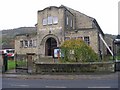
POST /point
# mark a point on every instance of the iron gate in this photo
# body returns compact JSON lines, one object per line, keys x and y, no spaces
{"x":21,"y":63}
{"x":24,"y":63}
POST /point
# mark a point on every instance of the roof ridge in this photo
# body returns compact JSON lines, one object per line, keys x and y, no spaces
{"x":68,"y":8}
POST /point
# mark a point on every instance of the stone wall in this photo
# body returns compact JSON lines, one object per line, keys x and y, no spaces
{"x":96,"y":67}
{"x":55,"y":31}
{"x":24,"y":50}
{"x":91,"y":33}
{"x":81,"y":20}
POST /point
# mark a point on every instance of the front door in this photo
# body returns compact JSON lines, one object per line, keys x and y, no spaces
{"x":49,"y":46}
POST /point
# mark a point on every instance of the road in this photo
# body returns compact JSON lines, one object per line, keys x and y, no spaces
{"x":50,"y":83}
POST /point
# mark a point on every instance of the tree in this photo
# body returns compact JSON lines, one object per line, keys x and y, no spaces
{"x":76,"y":50}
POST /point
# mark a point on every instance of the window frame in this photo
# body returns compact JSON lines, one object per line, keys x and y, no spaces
{"x":50,"y":20}
{"x":55,"y":20}
{"x":71,"y":23}
{"x":30,"y":43}
{"x":67,"y":21}
{"x":74,"y":37}
{"x":44,"y":21}
{"x":26,"y":43}
{"x":87,"y":40}
{"x":21,"y":44}
{"x":80,"y":37}
{"x":67,"y":38}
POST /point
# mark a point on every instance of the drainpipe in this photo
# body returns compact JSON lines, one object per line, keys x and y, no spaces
{"x":99,"y":47}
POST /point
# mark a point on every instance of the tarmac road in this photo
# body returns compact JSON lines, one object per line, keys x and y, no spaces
{"x":42,"y":83}
{"x":88,"y":81}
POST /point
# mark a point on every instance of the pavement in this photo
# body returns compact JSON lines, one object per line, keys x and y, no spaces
{"x":13,"y":74}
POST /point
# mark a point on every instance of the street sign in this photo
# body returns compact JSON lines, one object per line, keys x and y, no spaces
{"x":57,"y":53}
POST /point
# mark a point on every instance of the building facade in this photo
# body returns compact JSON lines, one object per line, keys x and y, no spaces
{"x":54,"y":26}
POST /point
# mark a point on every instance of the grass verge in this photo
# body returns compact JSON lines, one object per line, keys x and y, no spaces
{"x":11,"y":64}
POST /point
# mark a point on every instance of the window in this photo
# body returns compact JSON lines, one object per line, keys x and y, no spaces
{"x":67,"y":20}
{"x":67,"y":38}
{"x":45,"y":21}
{"x":25,"y":43}
{"x":49,"y":20}
{"x":80,"y":38}
{"x":87,"y":40}
{"x":21,"y":44}
{"x":71,"y":23}
{"x":30,"y":43}
{"x":73,"y":37}
{"x":55,"y":20}
{"x":34,"y":43}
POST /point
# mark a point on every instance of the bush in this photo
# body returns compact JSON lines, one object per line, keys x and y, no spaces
{"x":76,"y":50}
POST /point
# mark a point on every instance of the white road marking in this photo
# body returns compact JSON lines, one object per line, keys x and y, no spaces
{"x":20,"y":85}
{"x":55,"y":87}
{"x":99,"y":87}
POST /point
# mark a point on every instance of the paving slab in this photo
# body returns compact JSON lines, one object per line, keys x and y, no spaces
{"x":13,"y":74}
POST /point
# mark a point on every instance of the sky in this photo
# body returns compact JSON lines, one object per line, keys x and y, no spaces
{"x":23,"y":13}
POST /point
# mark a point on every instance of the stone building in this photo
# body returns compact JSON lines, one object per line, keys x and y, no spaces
{"x":54,"y":26}
{"x":109,"y":40}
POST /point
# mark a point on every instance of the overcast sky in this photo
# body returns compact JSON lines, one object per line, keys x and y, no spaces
{"x":23,"y":13}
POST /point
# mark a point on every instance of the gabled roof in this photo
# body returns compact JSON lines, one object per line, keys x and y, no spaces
{"x":84,"y":18}
{"x":97,"y":26}
{"x":93,"y":20}
{"x":72,"y":11}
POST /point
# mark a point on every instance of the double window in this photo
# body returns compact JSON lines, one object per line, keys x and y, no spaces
{"x":50,"y":20}
{"x":28,"y":43}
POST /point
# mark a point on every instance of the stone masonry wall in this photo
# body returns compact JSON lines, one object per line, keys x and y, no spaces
{"x":92,"y":33}
{"x":24,"y":50}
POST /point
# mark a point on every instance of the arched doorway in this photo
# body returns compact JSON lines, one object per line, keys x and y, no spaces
{"x":49,"y":46}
